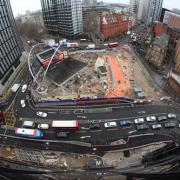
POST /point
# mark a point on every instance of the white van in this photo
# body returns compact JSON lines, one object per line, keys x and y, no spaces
{"x":28,"y":124}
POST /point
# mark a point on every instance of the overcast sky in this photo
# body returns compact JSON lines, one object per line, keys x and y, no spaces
{"x":20,"y":6}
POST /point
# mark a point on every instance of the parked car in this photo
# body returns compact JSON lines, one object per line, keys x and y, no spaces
{"x":43,"y":126}
{"x":156,"y":126}
{"x":171,"y":116}
{"x":139,"y":121}
{"x":24,"y":87}
{"x":94,"y":126}
{"x":125,"y":122}
{"x":162,"y":118}
{"x":169,"y":124}
{"x":150,"y":118}
{"x":142,"y":127}
{"x":23,"y":104}
{"x":110,"y":124}
{"x":42,"y":114}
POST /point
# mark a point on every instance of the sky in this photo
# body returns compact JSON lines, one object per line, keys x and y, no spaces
{"x":20,"y":6}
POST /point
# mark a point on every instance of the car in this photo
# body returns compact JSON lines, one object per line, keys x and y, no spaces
{"x":156,"y":126}
{"x":150,"y":118}
{"x":139,"y":121}
{"x":23,"y":104}
{"x":43,"y":126}
{"x":78,"y":111}
{"x":94,"y":126}
{"x":28,"y":124}
{"x":110,"y":124}
{"x":62,"y":134}
{"x":171,"y":116}
{"x":169,"y":124}
{"x":24,"y":87}
{"x":162,"y":118}
{"x":82,"y":117}
{"x":42,"y":114}
{"x":141,"y":112}
{"x":125,"y":122}
{"x":142,"y":127}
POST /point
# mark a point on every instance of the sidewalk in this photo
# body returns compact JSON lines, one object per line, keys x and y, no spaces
{"x":154,"y":78}
{"x":6,"y":90}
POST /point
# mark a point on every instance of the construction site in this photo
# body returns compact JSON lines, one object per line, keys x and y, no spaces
{"x":98,"y":74}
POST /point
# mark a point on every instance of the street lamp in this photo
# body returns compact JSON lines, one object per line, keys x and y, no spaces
{"x":61,"y":42}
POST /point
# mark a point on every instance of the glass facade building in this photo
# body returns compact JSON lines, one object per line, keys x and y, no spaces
{"x":63,"y":17}
{"x":10,"y":43}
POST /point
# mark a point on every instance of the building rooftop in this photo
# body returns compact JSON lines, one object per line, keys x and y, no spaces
{"x":65,"y":70}
{"x":161,"y":41}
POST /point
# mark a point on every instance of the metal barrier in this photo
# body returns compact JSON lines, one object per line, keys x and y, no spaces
{"x":98,"y":110}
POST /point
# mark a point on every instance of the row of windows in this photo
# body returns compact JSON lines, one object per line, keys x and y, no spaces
{"x":5,"y":34}
{"x":6,"y":47}
{"x":8,"y":60}
{"x":3,"y":11}
{"x":4,"y":22}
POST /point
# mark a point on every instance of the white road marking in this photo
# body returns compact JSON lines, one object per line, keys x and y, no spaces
{"x":112,"y":129}
{"x":83,"y":137}
{"x":96,"y":130}
{"x":52,"y":112}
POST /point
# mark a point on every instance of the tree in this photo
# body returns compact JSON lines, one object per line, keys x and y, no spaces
{"x":30,"y":30}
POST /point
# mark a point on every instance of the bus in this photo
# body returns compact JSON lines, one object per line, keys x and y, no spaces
{"x":113,"y":45}
{"x":68,"y":125}
{"x":33,"y":133}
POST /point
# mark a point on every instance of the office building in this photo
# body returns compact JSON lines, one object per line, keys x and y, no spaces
{"x":133,"y":9}
{"x":10,"y":44}
{"x":140,"y":9}
{"x":175,"y":10}
{"x":151,"y":11}
{"x":164,"y":10}
{"x":63,"y":17}
{"x":89,"y":2}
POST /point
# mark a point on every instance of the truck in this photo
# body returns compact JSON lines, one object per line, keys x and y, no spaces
{"x":15,"y":87}
{"x":91,"y":46}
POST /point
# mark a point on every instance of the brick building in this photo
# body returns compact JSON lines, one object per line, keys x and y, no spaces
{"x":173,"y":84}
{"x":159,"y":28}
{"x":173,"y":81}
{"x":174,"y":21}
{"x":113,"y":24}
{"x":176,"y":68}
{"x":174,"y":34}
{"x":156,"y":52}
